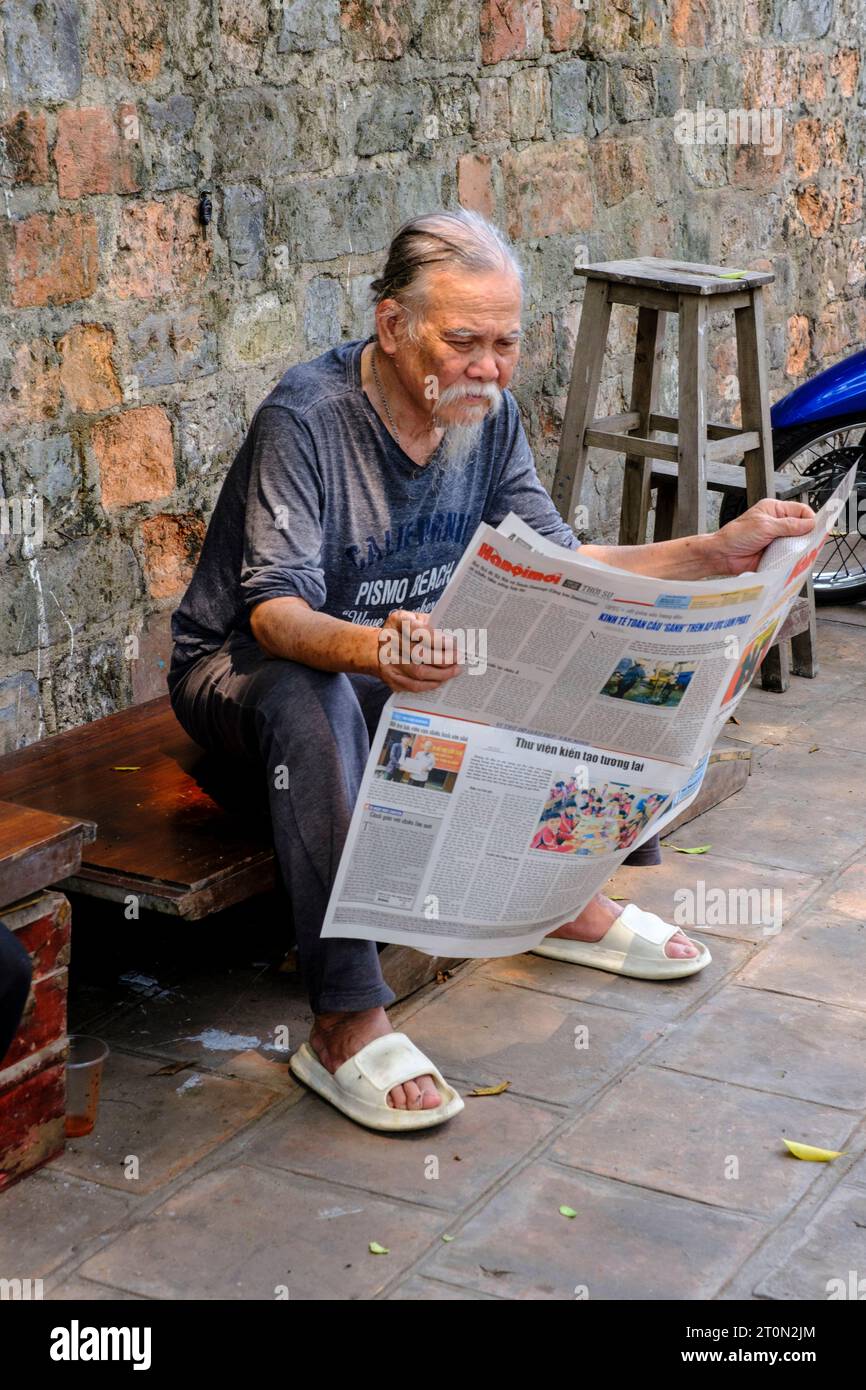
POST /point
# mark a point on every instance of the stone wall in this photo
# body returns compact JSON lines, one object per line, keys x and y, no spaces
{"x":138,"y":340}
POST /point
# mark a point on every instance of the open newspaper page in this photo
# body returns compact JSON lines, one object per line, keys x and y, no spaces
{"x":491,"y":811}
{"x":790,"y":559}
{"x":582,"y":650}
{"x":516,"y":529}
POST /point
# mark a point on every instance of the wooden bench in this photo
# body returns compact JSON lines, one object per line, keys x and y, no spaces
{"x":181,"y":831}
{"x":35,"y":849}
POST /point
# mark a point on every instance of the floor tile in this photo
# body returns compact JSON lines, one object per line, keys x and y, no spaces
{"x":704,"y":1140}
{"x":821,"y":955}
{"x":822,"y":1260}
{"x":624,"y":1242}
{"x":151,"y":1128}
{"x":47,"y":1218}
{"x":551,"y":1049}
{"x":447,"y":1166}
{"x":243,"y":1233}
{"x":775,"y":1043}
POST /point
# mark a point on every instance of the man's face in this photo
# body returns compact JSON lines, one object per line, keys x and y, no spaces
{"x":468,"y":348}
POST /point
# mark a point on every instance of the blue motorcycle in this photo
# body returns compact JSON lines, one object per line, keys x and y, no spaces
{"x":819,"y":433}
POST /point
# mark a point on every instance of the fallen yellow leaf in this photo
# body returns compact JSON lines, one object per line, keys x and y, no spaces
{"x":810,"y":1153}
{"x":377,"y":1249}
{"x":490,"y":1090}
{"x":694,"y":849}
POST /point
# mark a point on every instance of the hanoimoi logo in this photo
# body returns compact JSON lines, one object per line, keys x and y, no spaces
{"x":729,"y":907}
{"x":712,"y":126}
{"x":76,"y":1343}
{"x":20,"y":1290}
{"x":22,"y":516}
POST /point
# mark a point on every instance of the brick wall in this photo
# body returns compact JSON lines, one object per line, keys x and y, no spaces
{"x":138,"y":342}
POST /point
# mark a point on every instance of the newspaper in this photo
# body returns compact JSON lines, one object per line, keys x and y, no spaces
{"x":583,"y":728}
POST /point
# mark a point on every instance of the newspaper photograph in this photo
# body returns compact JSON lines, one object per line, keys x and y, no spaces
{"x":492,"y":809}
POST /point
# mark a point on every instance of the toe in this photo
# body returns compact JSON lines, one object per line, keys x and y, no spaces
{"x":430,"y":1097}
{"x":420,"y":1094}
{"x":397,"y":1098}
{"x":680,"y":948}
{"x":412,"y":1091}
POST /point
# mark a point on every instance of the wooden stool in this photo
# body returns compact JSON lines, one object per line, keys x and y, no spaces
{"x":683,"y":472}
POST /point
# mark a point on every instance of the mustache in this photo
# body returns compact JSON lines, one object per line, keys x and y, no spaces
{"x":484,"y":388}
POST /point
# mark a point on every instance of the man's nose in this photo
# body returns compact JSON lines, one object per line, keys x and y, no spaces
{"x":484,"y":368}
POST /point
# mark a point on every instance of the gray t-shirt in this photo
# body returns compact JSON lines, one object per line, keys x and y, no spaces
{"x":322,"y":503}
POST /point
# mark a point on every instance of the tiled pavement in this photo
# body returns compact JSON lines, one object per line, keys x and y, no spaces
{"x":655,"y":1111}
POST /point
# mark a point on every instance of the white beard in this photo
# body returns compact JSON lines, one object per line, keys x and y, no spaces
{"x":460,"y":440}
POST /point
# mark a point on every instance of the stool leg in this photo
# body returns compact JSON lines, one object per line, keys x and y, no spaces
{"x":760,"y":480}
{"x":804,"y":647}
{"x":755,"y":397}
{"x":776,"y":668}
{"x":644,"y":391}
{"x":692,"y":427}
{"x":582,"y":393}
{"x":666,"y":509}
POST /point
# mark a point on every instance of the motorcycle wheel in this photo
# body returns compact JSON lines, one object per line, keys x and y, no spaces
{"x":822,"y":454}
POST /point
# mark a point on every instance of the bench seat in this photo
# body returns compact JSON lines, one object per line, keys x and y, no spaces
{"x":172,"y":825}
{"x":149,"y":791}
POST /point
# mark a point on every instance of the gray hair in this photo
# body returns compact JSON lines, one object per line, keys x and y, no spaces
{"x":460,"y":238}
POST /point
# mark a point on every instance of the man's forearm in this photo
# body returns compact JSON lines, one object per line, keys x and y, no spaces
{"x":289,"y":628}
{"x":690,"y":557}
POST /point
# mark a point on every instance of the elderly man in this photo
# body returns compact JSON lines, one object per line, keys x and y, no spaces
{"x":369,"y":466}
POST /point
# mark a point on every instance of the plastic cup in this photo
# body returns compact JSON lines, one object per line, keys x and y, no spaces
{"x":83,"y":1078}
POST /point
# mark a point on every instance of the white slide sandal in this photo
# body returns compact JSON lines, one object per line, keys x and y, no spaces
{"x":359,"y":1088}
{"x":633,"y":945}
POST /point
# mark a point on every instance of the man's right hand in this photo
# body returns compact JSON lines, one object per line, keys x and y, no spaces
{"x":413,"y":655}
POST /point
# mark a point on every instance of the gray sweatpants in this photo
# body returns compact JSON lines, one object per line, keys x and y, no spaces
{"x":240,"y":702}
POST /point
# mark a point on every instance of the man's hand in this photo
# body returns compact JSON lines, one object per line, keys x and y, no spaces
{"x":413,"y":655}
{"x":740,"y":545}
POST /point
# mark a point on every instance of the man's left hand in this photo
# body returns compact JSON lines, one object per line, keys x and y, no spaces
{"x":740,"y":545}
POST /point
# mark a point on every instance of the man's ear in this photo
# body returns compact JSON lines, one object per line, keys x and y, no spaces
{"x":390,"y":320}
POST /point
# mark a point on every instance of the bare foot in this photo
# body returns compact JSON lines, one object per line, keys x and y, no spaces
{"x":596,"y":919}
{"x":337,"y":1037}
